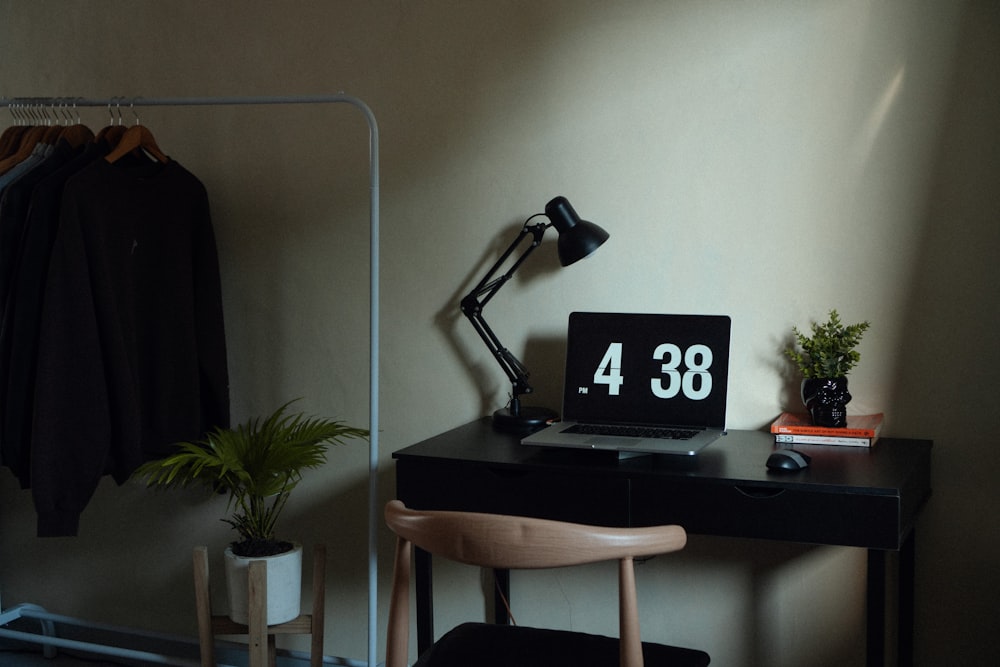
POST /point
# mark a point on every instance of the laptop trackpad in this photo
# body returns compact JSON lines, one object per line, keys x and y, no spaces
{"x":609,"y":441}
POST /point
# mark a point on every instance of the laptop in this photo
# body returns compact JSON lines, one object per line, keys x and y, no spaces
{"x":642,"y":384}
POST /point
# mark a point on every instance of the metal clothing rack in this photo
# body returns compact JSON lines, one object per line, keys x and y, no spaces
{"x":373,"y":169}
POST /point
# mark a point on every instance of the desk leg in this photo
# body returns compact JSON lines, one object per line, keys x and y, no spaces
{"x":876,"y":608}
{"x":907,"y":566}
{"x":501,"y":579}
{"x":425,"y":599}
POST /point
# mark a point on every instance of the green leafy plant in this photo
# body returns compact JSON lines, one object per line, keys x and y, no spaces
{"x":829,"y":352}
{"x":258,"y":464}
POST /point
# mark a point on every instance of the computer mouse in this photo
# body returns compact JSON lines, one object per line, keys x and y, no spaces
{"x":787,"y":459}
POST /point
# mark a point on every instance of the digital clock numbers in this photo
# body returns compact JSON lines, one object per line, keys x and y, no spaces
{"x":695,"y":381}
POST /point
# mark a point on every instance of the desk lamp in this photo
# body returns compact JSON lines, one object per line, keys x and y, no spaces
{"x":577,"y":239}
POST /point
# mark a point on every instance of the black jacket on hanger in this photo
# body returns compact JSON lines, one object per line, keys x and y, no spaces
{"x":22,"y":313}
{"x":14,"y":204}
{"x":132,"y":354}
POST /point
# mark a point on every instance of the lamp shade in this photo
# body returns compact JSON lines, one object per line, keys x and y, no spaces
{"x":577,"y":238}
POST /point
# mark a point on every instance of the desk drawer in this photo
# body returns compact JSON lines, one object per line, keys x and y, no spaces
{"x":772,"y":513}
{"x":478,"y":487}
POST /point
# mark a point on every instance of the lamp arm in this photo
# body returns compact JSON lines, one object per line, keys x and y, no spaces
{"x":473,"y":303}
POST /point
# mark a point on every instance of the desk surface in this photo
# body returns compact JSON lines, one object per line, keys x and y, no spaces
{"x":848,"y":496}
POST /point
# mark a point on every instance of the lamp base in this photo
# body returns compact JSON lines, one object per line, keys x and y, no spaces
{"x":527,"y":419}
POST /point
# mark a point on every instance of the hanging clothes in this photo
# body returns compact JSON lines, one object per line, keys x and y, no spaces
{"x":112,"y":344}
{"x":22,"y":312}
{"x":18,"y":185}
{"x":14,"y":204}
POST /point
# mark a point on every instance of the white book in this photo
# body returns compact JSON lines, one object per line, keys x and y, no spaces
{"x":797,"y":439}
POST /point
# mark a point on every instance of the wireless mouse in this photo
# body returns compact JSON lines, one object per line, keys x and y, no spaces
{"x":787,"y":459}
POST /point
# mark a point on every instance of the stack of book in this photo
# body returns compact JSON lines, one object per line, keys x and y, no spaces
{"x":798,"y":429}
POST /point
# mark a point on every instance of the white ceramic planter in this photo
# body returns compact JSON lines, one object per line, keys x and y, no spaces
{"x":284,"y":586}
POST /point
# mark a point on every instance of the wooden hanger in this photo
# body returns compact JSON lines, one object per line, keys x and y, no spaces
{"x":113,"y":131}
{"x":136,"y":136}
{"x":77,"y":135}
{"x":25,"y":140}
{"x":11,"y":139}
{"x":111,"y":135}
{"x":52,"y":134}
{"x":28,"y":142}
{"x":73,"y":131}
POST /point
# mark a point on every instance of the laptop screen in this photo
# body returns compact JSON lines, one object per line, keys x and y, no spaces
{"x":648,"y":369}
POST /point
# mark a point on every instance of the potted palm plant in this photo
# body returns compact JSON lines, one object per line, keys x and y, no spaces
{"x":824,"y":359}
{"x":257,"y":464}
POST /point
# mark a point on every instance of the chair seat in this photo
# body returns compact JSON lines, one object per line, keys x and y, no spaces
{"x":490,"y":645}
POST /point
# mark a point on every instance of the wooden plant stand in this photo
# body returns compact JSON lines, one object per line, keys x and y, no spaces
{"x":260,"y":635}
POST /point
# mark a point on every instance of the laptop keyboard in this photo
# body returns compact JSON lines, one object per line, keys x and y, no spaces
{"x":633,"y":431}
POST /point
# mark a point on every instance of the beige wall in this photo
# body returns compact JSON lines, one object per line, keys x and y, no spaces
{"x":766,"y":160}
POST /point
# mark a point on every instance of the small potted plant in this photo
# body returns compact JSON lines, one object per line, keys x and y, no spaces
{"x":257,"y":464}
{"x":824,"y":359}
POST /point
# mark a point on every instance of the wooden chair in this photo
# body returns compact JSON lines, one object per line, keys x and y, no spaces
{"x":260,"y":635}
{"x":509,"y":542}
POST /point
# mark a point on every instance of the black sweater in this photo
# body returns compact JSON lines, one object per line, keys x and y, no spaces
{"x":131,"y":353}
{"x":29,"y":265}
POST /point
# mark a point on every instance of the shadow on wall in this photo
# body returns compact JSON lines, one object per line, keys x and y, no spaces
{"x":782,"y":580}
{"x":949,"y":359}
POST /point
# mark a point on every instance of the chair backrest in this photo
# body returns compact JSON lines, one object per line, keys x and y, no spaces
{"x":512,"y":542}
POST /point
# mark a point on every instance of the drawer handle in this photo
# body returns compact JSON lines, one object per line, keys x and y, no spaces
{"x":759,"y":492}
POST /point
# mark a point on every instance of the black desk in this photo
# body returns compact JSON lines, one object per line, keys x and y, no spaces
{"x":849,"y":496}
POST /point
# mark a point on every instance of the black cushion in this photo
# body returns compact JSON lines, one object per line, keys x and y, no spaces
{"x":489,"y":645}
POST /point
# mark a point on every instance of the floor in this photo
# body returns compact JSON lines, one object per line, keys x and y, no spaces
{"x":26,"y":659}
{"x":225,"y":657}
{"x":167,"y":651}
{"x":16,"y":652}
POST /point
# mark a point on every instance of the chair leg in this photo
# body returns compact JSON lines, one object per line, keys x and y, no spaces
{"x":206,"y":638}
{"x":630,"y":644}
{"x":398,"y":629}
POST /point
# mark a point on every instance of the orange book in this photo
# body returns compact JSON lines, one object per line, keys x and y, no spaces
{"x":858,"y":426}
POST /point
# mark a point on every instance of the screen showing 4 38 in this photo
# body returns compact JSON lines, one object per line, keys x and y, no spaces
{"x":645,"y":368}
{"x":686,"y":372}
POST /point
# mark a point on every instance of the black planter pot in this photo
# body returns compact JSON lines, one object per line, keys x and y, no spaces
{"x":826,"y":399}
